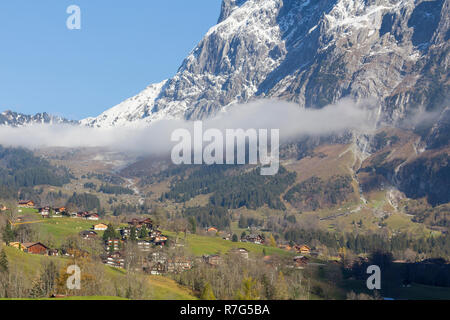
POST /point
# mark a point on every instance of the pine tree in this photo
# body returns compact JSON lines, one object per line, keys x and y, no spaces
{"x":3,"y":261}
{"x":143,"y":233}
{"x":133,"y":234}
{"x":207,"y":293}
{"x":8,"y":233}
{"x":110,"y":233}
{"x":193,"y":225}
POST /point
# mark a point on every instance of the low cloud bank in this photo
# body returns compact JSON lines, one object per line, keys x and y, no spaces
{"x":155,"y":138}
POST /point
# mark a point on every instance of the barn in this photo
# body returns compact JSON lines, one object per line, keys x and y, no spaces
{"x":35,"y":248}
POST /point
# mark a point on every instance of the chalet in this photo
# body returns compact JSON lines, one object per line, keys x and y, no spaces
{"x":148,"y":223}
{"x":157,"y":263}
{"x":93,"y":217}
{"x":212,"y":230}
{"x":53,"y":252}
{"x":113,"y":244}
{"x":44,"y":212}
{"x":26,"y":204}
{"x":156,"y":268}
{"x":138,"y":224}
{"x":253,"y":238}
{"x":178,"y":264}
{"x":125,"y":232}
{"x":155,"y":233}
{"x":100,"y":227}
{"x":67,"y":253}
{"x":159,"y":241}
{"x":303,"y":249}
{"x":61,"y":210}
{"x":242,"y":252}
{"x":115,"y":260}
{"x":88,"y":234}
{"x":35,"y":248}
{"x":83,"y":215}
{"x":213,"y":260}
{"x":158,"y":257}
{"x":300,"y":262}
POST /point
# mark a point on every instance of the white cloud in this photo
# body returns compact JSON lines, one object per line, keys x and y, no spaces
{"x":264,"y":114}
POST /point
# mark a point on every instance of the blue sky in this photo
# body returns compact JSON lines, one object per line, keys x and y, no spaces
{"x":122,"y":47}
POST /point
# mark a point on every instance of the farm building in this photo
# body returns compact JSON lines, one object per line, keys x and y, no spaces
{"x":35,"y":248}
{"x":100,"y":227}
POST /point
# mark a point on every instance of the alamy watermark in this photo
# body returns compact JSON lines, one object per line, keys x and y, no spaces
{"x":73,"y":22}
{"x":374,"y":281}
{"x":235,"y":144}
{"x":74,"y":280}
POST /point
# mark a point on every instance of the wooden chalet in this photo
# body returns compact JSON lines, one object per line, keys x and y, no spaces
{"x":100,"y":227}
{"x":93,"y":217}
{"x":88,"y":234}
{"x":155,"y":268}
{"x":139,"y":223}
{"x":212,"y":230}
{"x":213,"y":260}
{"x":242,"y":252}
{"x":35,"y":248}
{"x":26,"y":204}
{"x":115,"y":260}
{"x":300,"y":261}
{"x":178,"y":264}
{"x":114,"y":244}
{"x":303,"y":249}
{"x":253,"y":238}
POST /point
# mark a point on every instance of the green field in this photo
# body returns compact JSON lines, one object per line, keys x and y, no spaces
{"x":59,"y":228}
{"x":203,"y":245}
{"x":161,"y":288}
{"x":167,"y":289}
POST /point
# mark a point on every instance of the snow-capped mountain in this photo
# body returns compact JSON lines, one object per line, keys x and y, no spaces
{"x":312,"y":52}
{"x":14,"y":119}
{"x":134,"y":109}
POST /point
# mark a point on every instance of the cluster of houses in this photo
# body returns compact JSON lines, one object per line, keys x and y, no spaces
{"x":253,"y":238}
{"x":40,"y":248}
{"x":152,"y":237}
{"x":146,"y":236}
{"x":49,"y":212}
{"x":301,"y":249}
{"x":160,"y":263}
{"x":85,"y":215}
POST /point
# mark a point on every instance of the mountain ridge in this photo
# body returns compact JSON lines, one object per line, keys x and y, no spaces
{"x":310,"y":53}
{"x":15,"y":119}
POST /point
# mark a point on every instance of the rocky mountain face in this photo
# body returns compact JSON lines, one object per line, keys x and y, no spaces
{"x":309,"y":52}
{"x":14,"y":119}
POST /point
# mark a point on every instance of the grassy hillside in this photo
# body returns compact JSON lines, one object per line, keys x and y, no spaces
{"x":161,"y":288}
{"x":200,"y":245}
{"x":167,"y":289}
